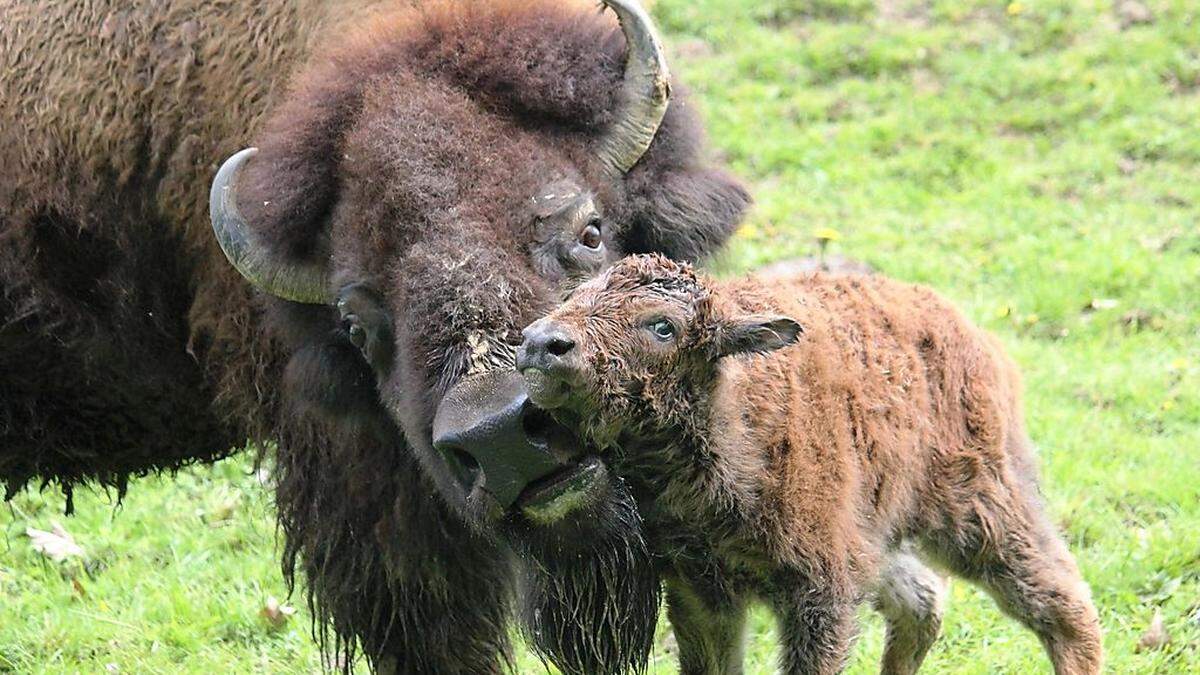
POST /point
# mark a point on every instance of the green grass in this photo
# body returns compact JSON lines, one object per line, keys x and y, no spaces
{"x":1035,"y":162}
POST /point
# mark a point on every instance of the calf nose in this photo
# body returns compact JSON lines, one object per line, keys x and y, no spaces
{"x":546,"y":346}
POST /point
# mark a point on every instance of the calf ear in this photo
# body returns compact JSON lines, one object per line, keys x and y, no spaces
{"x":756,"y":335}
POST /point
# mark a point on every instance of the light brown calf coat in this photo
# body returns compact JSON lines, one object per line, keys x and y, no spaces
{"x":882,"y":426}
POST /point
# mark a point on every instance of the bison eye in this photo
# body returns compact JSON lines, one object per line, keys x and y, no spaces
{"x":663,"y":330}
{"x":366,"y":323}
{"x":358,"y":336}
{"x":590,"y":237}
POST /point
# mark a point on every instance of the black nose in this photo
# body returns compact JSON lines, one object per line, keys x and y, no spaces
{"x":545,"y":346}
{"x":491,"y":436}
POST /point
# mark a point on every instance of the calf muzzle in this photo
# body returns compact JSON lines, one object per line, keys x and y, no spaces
{"x":549,"y":361}
{"x":547,"y":346}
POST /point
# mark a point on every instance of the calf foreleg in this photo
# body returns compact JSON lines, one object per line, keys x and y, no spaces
{"x":708,"y":630}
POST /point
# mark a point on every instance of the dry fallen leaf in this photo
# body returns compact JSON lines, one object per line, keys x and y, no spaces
{"x":1098,"y":304}
{"x":1133,"y":13}
{"x":277,"y":614}
{"x":79,"y":588}
{"x":1158,"y":244}
{"x":58,"y":544}
{"x":1156,"y":636}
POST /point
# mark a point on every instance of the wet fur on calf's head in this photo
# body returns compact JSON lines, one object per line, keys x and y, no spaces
{"x":634,"y":382}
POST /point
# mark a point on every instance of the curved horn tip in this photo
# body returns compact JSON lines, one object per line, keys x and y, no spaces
{"x":646,"y":90}
{"x":305,"y":282}
{"x":225,"y":181}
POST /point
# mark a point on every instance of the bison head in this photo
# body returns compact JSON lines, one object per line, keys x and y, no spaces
{"x":437,"y":185}
{"x":424,"y":193}
{"x":419,"y":197}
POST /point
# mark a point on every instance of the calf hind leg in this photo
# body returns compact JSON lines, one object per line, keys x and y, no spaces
{"x":1010,"y":549}
{"x":911,"y":598}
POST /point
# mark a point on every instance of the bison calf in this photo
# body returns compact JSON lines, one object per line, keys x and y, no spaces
{"x":878,"y":422}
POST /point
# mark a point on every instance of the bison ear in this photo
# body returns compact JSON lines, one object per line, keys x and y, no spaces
{"x":686,"y":213}
{"x":755,"y":335}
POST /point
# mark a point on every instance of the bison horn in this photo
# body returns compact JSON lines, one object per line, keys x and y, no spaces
{"x":306,"y":282}
{"x":645,"y":92}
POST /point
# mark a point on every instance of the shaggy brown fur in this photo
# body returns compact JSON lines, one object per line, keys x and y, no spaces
{"x":125,"y":342}
{"x":409,"y":148}
{"x":800,"y":476}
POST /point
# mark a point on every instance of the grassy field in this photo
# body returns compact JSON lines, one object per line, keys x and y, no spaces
{"x":1037,"y":162}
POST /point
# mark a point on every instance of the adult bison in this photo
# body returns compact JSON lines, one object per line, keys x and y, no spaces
{"x":430,"y":182}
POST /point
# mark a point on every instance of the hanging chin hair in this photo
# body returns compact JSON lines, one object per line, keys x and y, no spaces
{"x":592,"y":590}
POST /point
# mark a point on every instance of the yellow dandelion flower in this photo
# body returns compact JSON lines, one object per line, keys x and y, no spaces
{"x":748,"y":231}
{"x":827,"y":234}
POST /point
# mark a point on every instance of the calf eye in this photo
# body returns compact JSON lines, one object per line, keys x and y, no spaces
{"x":662,"y":329}
{"x":590,"y":237}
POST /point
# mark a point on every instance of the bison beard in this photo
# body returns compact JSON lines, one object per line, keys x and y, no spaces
{"x":592,"y":590}
{"x":323,"y":496}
